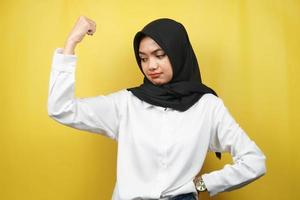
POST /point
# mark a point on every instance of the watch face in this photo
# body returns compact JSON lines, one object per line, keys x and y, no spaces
{"x":200,"y":186}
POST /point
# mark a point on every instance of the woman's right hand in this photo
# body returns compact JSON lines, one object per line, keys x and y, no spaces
{"x":82,"y":27}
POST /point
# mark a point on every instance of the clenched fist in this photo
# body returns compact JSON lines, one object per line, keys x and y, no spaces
{"x":82,"y":27}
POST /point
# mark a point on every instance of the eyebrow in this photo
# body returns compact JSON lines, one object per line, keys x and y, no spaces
{"x":153,"y":52}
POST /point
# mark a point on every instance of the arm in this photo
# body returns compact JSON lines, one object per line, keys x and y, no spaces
{"x":97,"y":114}
{"x":248,"y":160}
{"x":83,"y":26}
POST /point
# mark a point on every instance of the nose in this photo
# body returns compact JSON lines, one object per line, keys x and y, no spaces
{"x":152,"y":65}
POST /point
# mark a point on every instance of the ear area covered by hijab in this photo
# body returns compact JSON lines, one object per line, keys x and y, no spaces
{"x":185,"y":87}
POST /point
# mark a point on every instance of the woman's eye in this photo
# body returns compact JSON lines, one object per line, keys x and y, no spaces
{"x":143,"y":59}
{"x":161,"y":56}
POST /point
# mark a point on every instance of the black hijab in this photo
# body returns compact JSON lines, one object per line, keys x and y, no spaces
{"x":185,"y":87}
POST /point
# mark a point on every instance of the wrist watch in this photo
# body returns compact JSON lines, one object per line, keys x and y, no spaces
{"x":200,"y":185}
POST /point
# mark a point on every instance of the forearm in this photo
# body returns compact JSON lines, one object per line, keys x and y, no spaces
{"x":61,"y":86}
{"x":69,"y":48}
{"x":233,"y":176}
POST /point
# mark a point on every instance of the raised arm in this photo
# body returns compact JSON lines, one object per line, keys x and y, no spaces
{"x":83,"y":26}
{"x":97,"y":114}
{"x":248,"y":159}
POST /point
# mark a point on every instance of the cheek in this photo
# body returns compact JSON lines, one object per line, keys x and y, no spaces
{"x":143,"y":68}
{"x":171,"y":71}
{"x":168,"y":69}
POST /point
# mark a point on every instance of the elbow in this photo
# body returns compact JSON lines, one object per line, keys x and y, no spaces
{"x":259,"y":167}
{"x":64,"y":114}
{"x":64,"y":117}
{"x":255,"y":166}
{"x":52,"y":112}
{"x":57,"y":110}
{"x":59,"y":113}
{"x":262,"y":169}
{"x":257,"y":163}
{"x":54,"y":115}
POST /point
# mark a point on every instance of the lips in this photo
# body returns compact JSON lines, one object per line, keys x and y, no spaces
{"x":154,"y":75}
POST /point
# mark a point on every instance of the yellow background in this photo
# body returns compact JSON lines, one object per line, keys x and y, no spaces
{"x":248,"y":51}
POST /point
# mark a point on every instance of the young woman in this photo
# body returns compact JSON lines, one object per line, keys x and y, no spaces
{"x":165,"y":126}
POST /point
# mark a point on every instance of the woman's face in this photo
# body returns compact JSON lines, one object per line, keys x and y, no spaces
{"x":155,"y":62}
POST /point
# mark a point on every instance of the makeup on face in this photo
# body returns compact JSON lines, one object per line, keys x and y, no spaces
{"x":154,"y":62}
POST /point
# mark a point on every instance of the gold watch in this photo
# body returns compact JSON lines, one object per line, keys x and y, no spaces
{"x":200,"y":185}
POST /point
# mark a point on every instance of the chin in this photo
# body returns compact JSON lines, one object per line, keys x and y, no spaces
{"x":157,"y":82}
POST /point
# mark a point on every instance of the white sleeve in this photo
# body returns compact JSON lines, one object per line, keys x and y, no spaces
{"x":96,"y":114}
{"x":248,"y":159}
